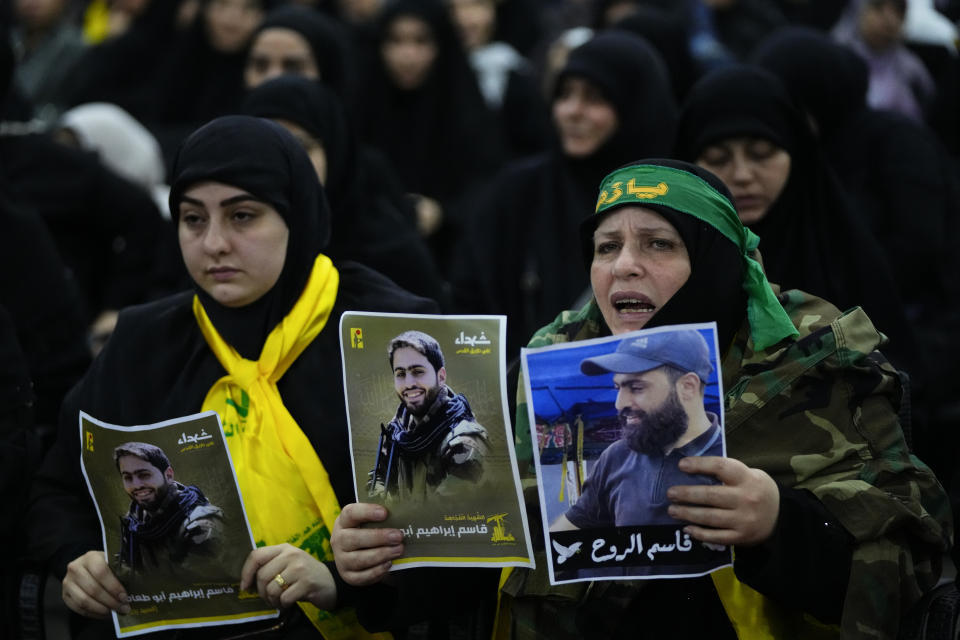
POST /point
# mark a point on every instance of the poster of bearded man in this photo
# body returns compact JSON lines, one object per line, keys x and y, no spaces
{"x":612,"y":419}
{"x":431,"y":438}
{"x":175,"y":530}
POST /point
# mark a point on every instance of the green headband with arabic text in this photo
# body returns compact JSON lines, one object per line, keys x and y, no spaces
{"x":687,"y":193}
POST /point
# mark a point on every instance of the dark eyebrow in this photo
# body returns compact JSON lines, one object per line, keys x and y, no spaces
{"x":243,"y":197}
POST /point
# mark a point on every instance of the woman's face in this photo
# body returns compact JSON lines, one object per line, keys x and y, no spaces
{"x":475,"y":19}
{"x":233,"y":245}
{"x":584,"y":118}
{"x":639,"y":262}
{"x":230,"y":23}
{"x":277,"y":51}
{"x":754,"y":169}
{"x":880,"y":24}
{"x":409,"y":52}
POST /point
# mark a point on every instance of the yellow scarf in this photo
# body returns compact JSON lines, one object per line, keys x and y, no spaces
{"x":271,"y":454}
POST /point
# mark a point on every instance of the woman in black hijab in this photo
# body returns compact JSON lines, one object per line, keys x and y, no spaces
{"x":421,"y":106}
{"x":900,"y":176}
{"x":366,"y":226}
{"x":666,"y":32}
{"x":201,"y":77}
{"x":741,"y":124}
{"x":253,"y":221}
{"x":887,"y":163}
{"x":297,"y":40}
{"x":612,"y":102}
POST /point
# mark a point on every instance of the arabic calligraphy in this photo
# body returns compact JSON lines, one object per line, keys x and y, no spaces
{"x":472,"y":341}
{"x":186,"y":594}
{"x":447,"y":532}
{"x":630,"y":549}
{"x":194,"y":438}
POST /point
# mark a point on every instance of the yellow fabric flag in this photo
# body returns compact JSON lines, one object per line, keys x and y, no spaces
{"x":271,"y":454}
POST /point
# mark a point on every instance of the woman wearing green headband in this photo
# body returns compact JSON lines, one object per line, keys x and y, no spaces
{"x":836,"y":528}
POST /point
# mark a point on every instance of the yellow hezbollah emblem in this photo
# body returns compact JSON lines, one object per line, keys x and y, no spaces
{"x":89,"y":439}
{"x":500,"y":533}
{"x":356,"y":338}
{"x":641,"y":193}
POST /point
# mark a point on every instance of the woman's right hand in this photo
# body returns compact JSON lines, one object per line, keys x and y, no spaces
{"x":91,"y":589}
{"x":364,"y":555}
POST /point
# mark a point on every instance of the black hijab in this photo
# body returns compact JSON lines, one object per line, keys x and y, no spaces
{"x":666,"y":32}
{"x":631,"y":75}
{"x":810,"y":239}
{"x":529,"y":216}
{"x":265,"y":160}
{"x":317,"y":110}
{"x":328,"y":43}
{"x":365,"y":226}
{"x":439,"y":136}
{"x":799,"y":56}
{"x":714,"y":291}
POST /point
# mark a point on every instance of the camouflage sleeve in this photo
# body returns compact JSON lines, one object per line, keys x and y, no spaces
{"x":821,"y":415}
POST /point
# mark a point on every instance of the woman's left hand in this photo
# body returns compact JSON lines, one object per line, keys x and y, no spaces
{"x":284,"y":574}
{"x":741,"y":511}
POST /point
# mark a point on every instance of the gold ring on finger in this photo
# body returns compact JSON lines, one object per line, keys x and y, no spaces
{"x":280,"y":581}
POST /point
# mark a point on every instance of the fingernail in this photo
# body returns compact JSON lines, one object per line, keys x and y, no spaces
{"x":684,"y":463}
{"x":672,"y":494}
{"x":672,"y":511}
{"x":122,"y":597}
{"x":387,"y":565}
{"x":380,"y":513}
{"x":395,"y":537}
{"x":125,"y":609}
{"x":397,"y":551}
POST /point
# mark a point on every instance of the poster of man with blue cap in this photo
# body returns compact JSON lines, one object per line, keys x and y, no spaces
{"x":627,"y":410}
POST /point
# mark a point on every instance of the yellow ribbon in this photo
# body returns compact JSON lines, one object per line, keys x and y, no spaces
{"x":271,"y":454}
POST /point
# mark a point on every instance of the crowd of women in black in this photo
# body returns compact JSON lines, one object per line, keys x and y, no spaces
{"x":459,"y":144}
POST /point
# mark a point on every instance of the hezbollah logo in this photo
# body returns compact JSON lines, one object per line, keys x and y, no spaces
{"x":356,"y":338}
{"x":500,"y":533}
{"x":640,"y":193}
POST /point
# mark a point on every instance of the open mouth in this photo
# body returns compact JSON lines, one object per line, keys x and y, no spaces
{"x":630,"y":303}
{"x":414,"y":395}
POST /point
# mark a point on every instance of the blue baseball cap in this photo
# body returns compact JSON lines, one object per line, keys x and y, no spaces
{"x":685,"y":350}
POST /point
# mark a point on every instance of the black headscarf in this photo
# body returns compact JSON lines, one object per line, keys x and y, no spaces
{"x":631,"y":75}
{"x":887,"y":163}
{"x":439,"y":136}
{"x":317,"y":109}
{"x":265,"y":160}
{"x":666,"y":32}
{"x":714,"y":290}
{"x":529,"y":215}
{"x":328,"y":43}
{"x":365,"y":226}
{"x":810,"y":239}
{"x":799,"y":56}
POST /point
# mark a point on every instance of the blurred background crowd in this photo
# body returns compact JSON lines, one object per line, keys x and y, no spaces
{"x":460,"y":142}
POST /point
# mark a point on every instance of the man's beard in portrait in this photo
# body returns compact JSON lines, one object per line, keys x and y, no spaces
{"x":657,"y":429}
{"x":429,"y":398}
{"x":156,"y":499}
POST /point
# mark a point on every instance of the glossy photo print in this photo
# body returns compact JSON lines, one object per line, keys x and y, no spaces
{"x":430,"y":436}
{"x":174,"y":527}
{"x":610,"y":420}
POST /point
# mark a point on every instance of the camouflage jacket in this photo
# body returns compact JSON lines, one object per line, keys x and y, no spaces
{"x":818,"y":412}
